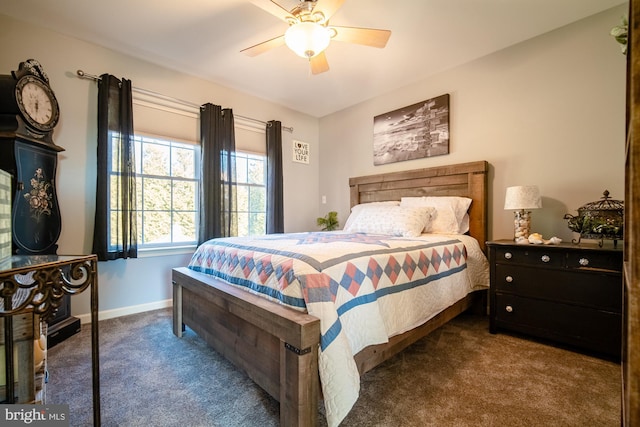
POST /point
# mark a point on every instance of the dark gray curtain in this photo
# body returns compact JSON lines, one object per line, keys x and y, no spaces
{"x":218,"y":174}
{"x":275,"y":204}
{"x":115,"y":232}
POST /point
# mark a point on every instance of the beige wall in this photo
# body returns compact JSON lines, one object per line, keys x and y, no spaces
{"x":144,"y":282}
{"x":549,"y":111}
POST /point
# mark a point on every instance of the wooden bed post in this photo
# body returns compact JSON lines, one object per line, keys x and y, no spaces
{"x":299,"y":386}
{"x":178,"y":326}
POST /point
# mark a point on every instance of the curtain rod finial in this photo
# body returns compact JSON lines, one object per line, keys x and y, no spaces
{"x":81,"y":74}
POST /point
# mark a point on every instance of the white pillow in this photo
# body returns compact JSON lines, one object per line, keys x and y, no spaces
{"x":357,"y":209}
{"x":392,"y":220}
{"x":464,"y":225}
{"x":450,"y":213}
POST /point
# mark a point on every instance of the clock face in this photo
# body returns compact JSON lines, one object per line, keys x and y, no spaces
{"x":37,"y":103}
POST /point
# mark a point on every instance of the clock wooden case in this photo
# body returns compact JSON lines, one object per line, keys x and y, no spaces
{"x":29,"y":113}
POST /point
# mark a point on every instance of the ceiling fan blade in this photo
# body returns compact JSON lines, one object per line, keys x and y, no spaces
{"x":275,"y":9}
{"x":364,"y":36}
{"x":319,"y":63}
{"x":328,"y":7}
{"x":264,"y":46}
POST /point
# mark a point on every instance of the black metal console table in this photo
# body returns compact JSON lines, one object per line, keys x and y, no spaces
{"x":39,"y":282}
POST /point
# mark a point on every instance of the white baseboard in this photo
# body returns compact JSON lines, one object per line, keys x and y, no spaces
{"x":124,"y":311}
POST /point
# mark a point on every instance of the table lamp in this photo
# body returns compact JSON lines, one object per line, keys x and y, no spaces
{"x":520,"y":198}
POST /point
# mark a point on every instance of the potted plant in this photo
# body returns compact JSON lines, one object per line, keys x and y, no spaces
{"x":329,"y":222}
{"x":620,"y":33}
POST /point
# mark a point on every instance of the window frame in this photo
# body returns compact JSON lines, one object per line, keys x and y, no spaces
{"x":247,"y":155}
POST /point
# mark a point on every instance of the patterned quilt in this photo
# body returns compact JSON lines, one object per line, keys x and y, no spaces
{"x":364,"y":288}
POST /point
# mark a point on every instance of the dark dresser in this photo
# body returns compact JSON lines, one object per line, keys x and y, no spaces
{"x":570,"y":294}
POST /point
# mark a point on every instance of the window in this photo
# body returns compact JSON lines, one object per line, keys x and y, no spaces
{"x":251,"y":191}
{"x":167,"y":180}
{"x":167,"y":187}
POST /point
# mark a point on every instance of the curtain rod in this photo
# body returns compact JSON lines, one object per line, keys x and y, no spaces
{"x":81,"y":74}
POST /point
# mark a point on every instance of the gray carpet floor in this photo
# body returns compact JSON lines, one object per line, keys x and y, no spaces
{"x":460,"y":375}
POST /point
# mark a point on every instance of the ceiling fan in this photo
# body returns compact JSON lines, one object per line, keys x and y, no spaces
{"x":309,"y":32}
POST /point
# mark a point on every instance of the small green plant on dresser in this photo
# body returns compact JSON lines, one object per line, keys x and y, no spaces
{"x":329,"y":222}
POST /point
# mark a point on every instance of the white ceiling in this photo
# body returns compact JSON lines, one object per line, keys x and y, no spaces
{"x":204,"y":38}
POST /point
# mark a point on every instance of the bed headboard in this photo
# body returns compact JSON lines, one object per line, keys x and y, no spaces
{"x":465,"y":179}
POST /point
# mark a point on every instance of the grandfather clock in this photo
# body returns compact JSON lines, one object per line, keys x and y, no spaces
{"x":29,"y":113}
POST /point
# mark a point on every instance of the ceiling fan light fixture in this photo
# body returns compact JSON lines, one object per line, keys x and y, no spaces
{"x":307,"y":39}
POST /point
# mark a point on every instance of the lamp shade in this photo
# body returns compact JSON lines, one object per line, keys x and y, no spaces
{"x":523,"y":197}
{"x":307,"y":39}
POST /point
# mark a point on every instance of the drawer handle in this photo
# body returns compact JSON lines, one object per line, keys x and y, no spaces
{"x":509,"y":309}
{"x":545,"y":258}
{"x":508,"y":255}
{"x":508,"y":279}
{"x":583,"y":262}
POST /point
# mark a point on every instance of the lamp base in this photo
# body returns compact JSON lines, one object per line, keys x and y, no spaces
{"x":522,"y":224}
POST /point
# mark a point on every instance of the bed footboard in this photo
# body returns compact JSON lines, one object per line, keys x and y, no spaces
{"x":276,"y":346}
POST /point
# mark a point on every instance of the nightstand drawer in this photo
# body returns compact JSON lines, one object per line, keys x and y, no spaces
{"x":593,"y":289}
{"x":530,"y":255}
{"x":611,"y":261}
{"x":593,"y":329}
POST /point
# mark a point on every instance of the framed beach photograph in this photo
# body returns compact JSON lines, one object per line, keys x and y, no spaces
{"x":413,"y":132}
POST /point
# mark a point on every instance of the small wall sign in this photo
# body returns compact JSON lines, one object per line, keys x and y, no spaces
{"x":300,"y":152}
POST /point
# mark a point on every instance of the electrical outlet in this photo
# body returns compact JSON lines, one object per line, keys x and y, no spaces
{"x":324,"y":200}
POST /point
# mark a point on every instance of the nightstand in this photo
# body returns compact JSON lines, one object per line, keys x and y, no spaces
{"x":570,"y":294}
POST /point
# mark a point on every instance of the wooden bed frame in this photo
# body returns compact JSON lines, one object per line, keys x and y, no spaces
{"x":278,"y":347}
